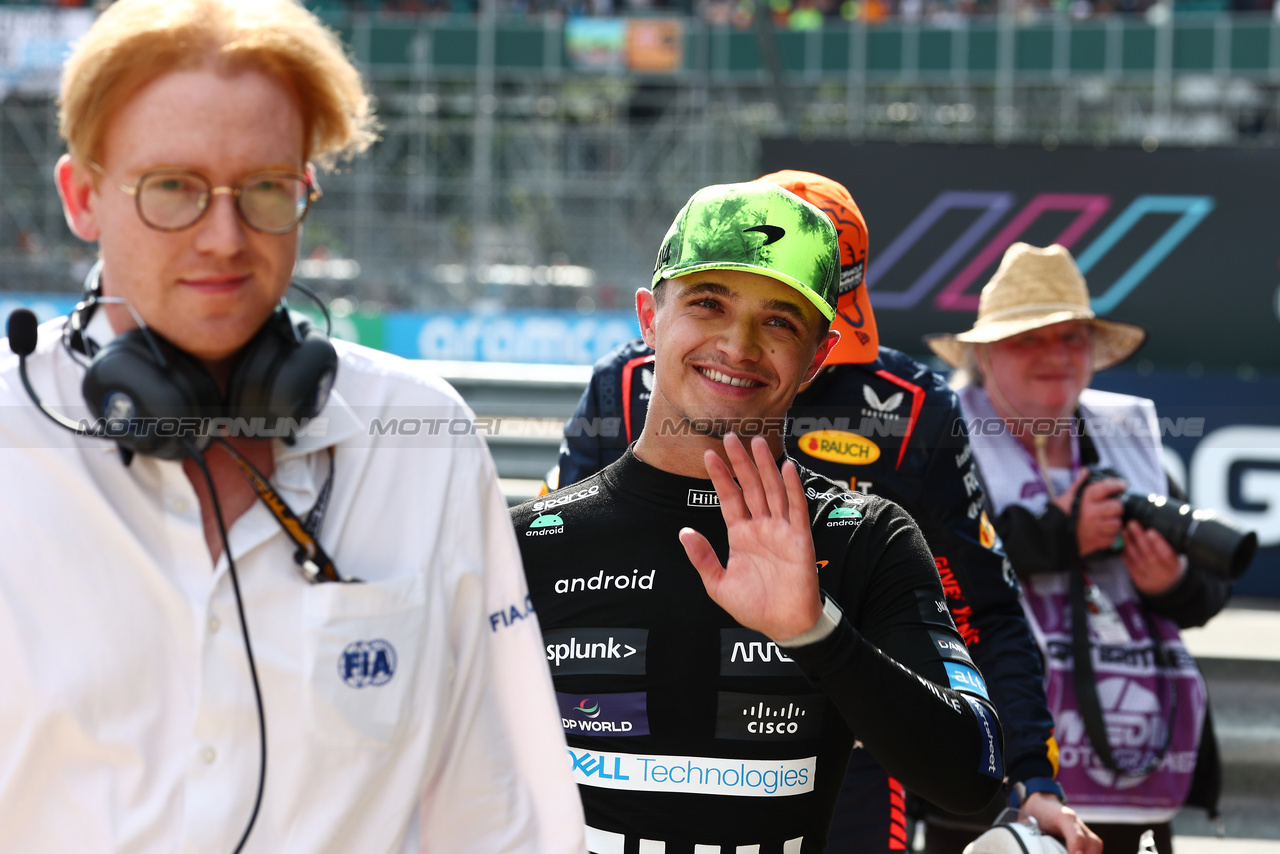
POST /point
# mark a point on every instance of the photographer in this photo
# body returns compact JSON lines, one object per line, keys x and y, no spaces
{"x":1132,"y":717}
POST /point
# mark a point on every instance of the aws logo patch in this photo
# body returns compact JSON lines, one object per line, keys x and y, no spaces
{"x":840,"y":446}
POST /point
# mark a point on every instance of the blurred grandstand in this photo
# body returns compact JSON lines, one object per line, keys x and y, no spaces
{"x":534,"y":150}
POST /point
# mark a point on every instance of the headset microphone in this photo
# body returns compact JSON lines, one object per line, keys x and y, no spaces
{"x":22,"y":333}
{"x":22,"y":329}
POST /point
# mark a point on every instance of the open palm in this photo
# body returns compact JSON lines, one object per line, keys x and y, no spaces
{"x":770,"y":584}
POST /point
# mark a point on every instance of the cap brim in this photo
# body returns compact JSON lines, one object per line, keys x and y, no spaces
{"x":809,"y":293}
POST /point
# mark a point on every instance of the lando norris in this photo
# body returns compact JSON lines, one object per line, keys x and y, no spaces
{"x":722,"y":629}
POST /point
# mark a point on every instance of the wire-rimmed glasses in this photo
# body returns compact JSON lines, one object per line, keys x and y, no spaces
{"x":174,"y":199}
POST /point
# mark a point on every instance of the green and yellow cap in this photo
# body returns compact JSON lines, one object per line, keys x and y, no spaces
{"x":760,"y":228}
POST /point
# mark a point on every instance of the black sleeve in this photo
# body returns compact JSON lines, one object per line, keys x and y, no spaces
{"x":1194,"y":600}
{"x":883,"y":670}
{"x":983,"y":595}
{"x":1036,"y":544}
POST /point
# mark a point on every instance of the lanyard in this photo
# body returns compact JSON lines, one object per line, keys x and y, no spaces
{"x":1040,"y":464}
{"x":313,"y":562}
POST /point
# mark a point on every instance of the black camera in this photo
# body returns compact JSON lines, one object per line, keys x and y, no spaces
{"x":1212,"y":541}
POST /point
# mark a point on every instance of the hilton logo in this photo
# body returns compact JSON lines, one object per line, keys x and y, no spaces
{"x":703,"y":498}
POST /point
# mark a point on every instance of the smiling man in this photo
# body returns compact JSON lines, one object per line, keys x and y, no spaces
{"x":721,"y":629}
{"x":188,"y":665}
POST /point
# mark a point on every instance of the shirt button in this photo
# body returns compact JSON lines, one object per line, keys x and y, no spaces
{"x":214,"y":625}
{"x":208,"y":755}
{"x":179,"y":506}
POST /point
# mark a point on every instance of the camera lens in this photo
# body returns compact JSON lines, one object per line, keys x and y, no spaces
{"x":1202,"y":535}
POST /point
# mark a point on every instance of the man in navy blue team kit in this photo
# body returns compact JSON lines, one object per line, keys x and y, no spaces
{"x":879,"y":422}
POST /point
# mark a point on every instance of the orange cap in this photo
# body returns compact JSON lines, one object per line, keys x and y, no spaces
{"x":859,"y":342}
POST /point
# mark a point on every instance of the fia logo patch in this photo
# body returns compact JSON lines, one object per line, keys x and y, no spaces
{"x":367,"y":663}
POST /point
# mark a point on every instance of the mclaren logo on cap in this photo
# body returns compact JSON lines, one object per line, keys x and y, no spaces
{"x":772,"y":233}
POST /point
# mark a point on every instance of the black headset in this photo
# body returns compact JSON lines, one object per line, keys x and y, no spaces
{"x":284,"y":372}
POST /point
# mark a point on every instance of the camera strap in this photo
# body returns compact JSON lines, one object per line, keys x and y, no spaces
{"x":1087,"y":688}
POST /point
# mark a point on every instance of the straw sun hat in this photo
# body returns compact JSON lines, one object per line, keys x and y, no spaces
{"x":1034,"y":288}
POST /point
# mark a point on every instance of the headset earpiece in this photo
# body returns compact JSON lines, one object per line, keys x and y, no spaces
{"x":284,"y":372}
{"x":124,"y":384}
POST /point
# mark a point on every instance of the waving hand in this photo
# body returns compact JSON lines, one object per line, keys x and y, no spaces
{"x":771,"y":583}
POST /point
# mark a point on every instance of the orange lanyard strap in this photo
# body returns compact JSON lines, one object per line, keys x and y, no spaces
{"x":315,"y":565}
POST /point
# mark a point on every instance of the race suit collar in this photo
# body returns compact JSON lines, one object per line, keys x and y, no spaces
{"x":637,"y":480}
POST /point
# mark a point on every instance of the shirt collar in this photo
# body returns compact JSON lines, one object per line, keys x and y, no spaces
{"x":99,"y":330}
{"x":335,"y":422}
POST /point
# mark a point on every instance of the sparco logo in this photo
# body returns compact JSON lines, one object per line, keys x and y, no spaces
{"x":596,"y":650}
{"x":601,"y":581}
{"x":703,"y":498}
{"x":562,"y":498}
{"x":758,"y":717}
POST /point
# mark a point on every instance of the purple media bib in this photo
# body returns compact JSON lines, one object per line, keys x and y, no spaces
{"x":1136,"y":703}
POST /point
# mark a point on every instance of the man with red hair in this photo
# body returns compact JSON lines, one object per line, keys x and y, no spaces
{"x":189,"y":664}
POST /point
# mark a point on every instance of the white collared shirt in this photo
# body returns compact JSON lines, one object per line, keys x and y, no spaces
{"x":411,"y":712}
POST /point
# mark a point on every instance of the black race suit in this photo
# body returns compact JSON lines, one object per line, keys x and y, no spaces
{"x":686,"y":729}
{"x":917,"y":456}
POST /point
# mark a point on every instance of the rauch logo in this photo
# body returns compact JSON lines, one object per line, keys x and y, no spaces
{"x":840,"y":446}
